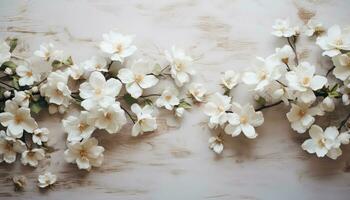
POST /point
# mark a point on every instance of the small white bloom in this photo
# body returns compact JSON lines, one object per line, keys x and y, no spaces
{"x":95,"y":64}
{"x":99,"y":92}
{"x":215,"y":144}
{"x":85,"y":154}
{"x":180,"y":64}
{"x":145,"y":121}
{"x":302,"y":79}
{"x":27,"y":76}
{"x":216,"y":109}
{"x":17,"y":119}
{"x":230,"y":79}
{"x":168,"y":99}
{"x":9,"y":147}
{"x":8,"y":71}
{"x":282,"y":28}
{"x":76,"y":71}
{"x":342,"y":66}
{"x":117,"y":45}
{"x":301,"y":116}
{"x":78,"y":128}
{"x":7,"y":94}
{"x":197,"y":92}
{"x":47,"y":52}
{"x":285,"y":55}
{"x":313,"y":28}
{"x":334,"y":41}
{"x":266,"y":71}
{"x":5,"y":54}
{"x":112,"y":118}
{"x":137,"y":78}
{"x":32,"y":156}
{"x":328,"y":104}
{"x":346,"y":100}
{"x":35,"y":89}
{"x":344,"y":137}
{"x":46,"y":179}
{"x":21,"y":98}
{"x":323,"y":143}
{"x":53,"y":109}
{"x":179,"y":111}
{"x":243,"y":119}
{"x":40,"y":135}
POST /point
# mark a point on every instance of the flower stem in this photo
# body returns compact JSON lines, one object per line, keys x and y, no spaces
{"x":330,"y":70}
{"x":130,"y":116}
{"x":269,"y":106}
{"x":342,"y":123}
{"x":8,"y":85}
{"x":294,"y":48}
{"x":150,"y":95}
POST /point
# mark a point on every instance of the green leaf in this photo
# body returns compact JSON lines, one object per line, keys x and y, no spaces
{"x":184,"y":104}
{"x":148,"y":102}
{"x":15,"y":82}
{"x":56,"y":64}
{"x":12,"y":44}
{"x":129,"y":99}
{"x":35,"y":107}
{"x":261,"y":101}
{"x":157,"y":69}
{"x":69,"y":61}
{"x":9,"y":64}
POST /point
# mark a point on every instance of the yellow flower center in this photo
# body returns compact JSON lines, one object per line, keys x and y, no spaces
{"x":285,"y":60}
{"x":338,"y":42}
{"x":18,"y":119}
{"x":243,"y":119}
{"x":306,"y":81}
{"x":29,"y":73}
{"x":82,"y":127}
{"x":138,"y":78}
{"x":83,"y":153}
{"x":321,"y":142}
{"x":301,"y":113}
{"x":108,"y":116}
{"x":167,"y":97}
{"x":118,"y":48}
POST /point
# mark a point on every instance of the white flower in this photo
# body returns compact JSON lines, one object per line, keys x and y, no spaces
{"x":27,"y":76}
{"x":197,"y":92}
{"x":215,"y":144}
{"x":334,"y":41}
{"x":21,"y":98}
{"x":85,"y":154}
{"x":323,"y":143}
{"x":46,"y":179}
{"x":9,"y":147}
{"x":47,"y":52}
{"x":216,"y":109}
{"x":5,"y":54}
{"x":137,"y":78}
{"x":56,"y":89}
{"x":78,"y":128}
{"x":302,"y":79}
{"x":32,"y":156}
{"x":8,"y":71}
{"x":301,"y":116}
{"x":99,"y":92}
{"x":346,"y":100}
{"x":275,"y":92}
{"x":168,"y":99}
{"x":95,"y":64}
{"x":243,"y":119}
{"x":342,"y":66}
{"x":7,"y":94}
{"x":230,"y":79}
{"x":145,"y":121}
{"x":76,"y":71}
{"x":180,"y":64}
{"x":118,"y":45}
{"x":112,"y":118}
{"x":179,"y":111}
{"x":266,"y":71}
{"x":285,"y":55}
{"x":40,"y":135}
{"x":344,"y":137}
{"x":313,"y":28}
{"x":281,"y":28}
{"x":327,"y":104}
{"x":17,"y":119}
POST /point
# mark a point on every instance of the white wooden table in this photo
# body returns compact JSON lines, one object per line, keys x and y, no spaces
{"x":177,"y":163}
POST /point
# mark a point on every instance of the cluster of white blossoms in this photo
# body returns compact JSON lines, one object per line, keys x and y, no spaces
{"x":281,"y":78}
{"x":109,"y":90}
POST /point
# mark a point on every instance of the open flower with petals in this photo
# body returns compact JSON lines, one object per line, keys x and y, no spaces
{"x":56,"y":89}
{"x":17,"y":119}
{"x":40,"y":135}
{"x":285,"y":55}
{"x":32,"y":156}
{"x":48,"y":52}
{"x":302,"y":79}
{"x":180,"y":64}
{"x":215,"y":144}
{"x":78,"y":128}
{"x":137,"y":78}
{"x":168,"y":99}
{"x":342,"y":66}
{"x":99,"y":92}
{"x":5,"y":54}
{"x":197,"y":92}
{"x":313,"y":28}
{"x":112,"y":118}
{"x":46,"y":179}
{"x":146,"y":122}
{"x":85,"y":154}
{"x":301,"y":116}
{"x":27,"y":76}
{"x":21,"y":98}
{"x":95,"y":64}
{"x":230,"y":79}
{"x":282,"y":28}
{"x":117,"y":45}
{"x":9,"y":147}
{"x":243,"y":119}
{"x":334,"y":41}
{"x":323,"y":142}
{"x":216,"y":109}
{"x":266,"y":71}
{"x":76,"y":71}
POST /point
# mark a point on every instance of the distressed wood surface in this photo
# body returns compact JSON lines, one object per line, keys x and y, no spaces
{"x":177,"y":163}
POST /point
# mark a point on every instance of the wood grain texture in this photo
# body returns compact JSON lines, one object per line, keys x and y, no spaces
{"x":176,"y":163}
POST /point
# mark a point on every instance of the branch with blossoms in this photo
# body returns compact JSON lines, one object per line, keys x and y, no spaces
{"x":110,"y":93}
{"x":282,"y":78}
